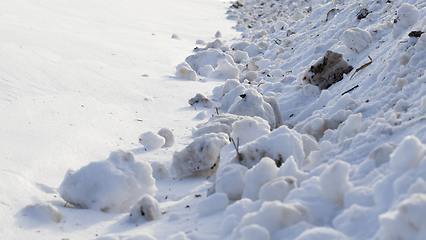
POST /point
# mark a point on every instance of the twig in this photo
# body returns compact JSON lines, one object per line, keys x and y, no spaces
{"x":350,"y":90}
{"x":362,"y":67}
{"x":236,"y":148}
{"x":66,"y":202}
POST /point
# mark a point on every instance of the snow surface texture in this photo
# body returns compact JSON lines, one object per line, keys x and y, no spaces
{"x":112,"y":185}
{"x":342,"y":155}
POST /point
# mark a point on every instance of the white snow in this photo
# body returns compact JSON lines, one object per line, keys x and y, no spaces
{"x":112,"y":185}
{"x":151,"y":140}
{"x":330,"y":94}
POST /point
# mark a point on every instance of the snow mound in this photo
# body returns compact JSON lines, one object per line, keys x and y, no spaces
{"x":408,"y":221}
{"x":249,"y":129}
{"x":201,"y":157}
{"x":278,"y":145}
{"x":112,"y":185}
{"x":273,"y":216}
{"x":277,"y":189}
{"x":44,"y":212}
{"x":147,"y":207}
{"x":213,"y":203}
{"x":356,"y":39}
{"x":217,"y":124}
{"x":251,"y":103}
{"x":334,"y":182}
{"x":327,"y":70}
{"x":151,"y":140}
{"x":202,"y":100}
{"x":225,"y":70}
{"x":185,"y":71}
{"x":230,"y":180}
{"x":167,"y":134}
{"x":208,"y":57}
{"x":256,"y":177}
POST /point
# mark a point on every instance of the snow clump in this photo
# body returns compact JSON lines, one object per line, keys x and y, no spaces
{"x":112,"y":185}
{"x":277,"y":189}
{"x":184,"y":71}
{"x":408,"y":154}
{"x":261,"y":173}
{"x":151,"y":140}
{"x":327,"y":70}
{"x":230,"y":180}
{"x":213,"y":203}
{"x":201,"y":157}
{"x":225,"y":70}
{"x":167,"y":134}
{"x":334,"y":182}
{"x":356,"y":39}
{"x":45,"y":212}
{"x":408,"y":221}
{"x":251,"y":103}
{"x":208,"y":57}
{"x":249,"y":129}
{"x":159,"y":170}
{"x":217,"y":124}
{"x":202,"y":100}
{"x":147,"y":207}
{"x":407,"y":15}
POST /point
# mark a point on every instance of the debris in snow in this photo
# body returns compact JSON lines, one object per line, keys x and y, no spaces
{"x":112,"y":185}
{"x":167,"y":134}
{"x":201,"y":99}
{"x":147,"y":207}
{"x":151,"y":140}
{"x":327,"y":70}
{"x":362,"y":13}
{"x":213,"y":204}
{"x":201,"y":157}
{"x":356,"y":39}
{"x":416,"y":34}
{"x":45,"y":212}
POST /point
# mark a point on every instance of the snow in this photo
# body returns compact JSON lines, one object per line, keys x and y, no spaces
{"x":151,"y":140}
{"x":291,"y":148}
{"x":111,"y":185}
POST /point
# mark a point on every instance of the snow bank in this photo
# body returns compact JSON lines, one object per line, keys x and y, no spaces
{"x":201,"y":157}
{"x":112,"y":185}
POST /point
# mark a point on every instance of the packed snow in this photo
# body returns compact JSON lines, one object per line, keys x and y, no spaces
{"x":260,"y":119}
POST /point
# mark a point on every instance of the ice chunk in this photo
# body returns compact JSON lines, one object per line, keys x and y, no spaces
{"x":327,"y":70}
{"x":147,"y":207}
{"x":273,"y":216}
{"x":112,"y":185}
{"x":277,"y":189}
{"x":167,"y":134}
{"x":334,"y":182}
{"x":249,"y":129}
{"x":254,"y":232}
{"x":214,"y":203}
{"x":225,"y":70}
{"x":356,"y":39}
{"x":202,"y":100}
{"x":230,"y":180}
{"x":408,"y":154}
{"x":260,"y":174}
{"x":408,"y":221}
{"x":151,"y":140}
{"x":252,"y":104}
{"x":201,"y":157}
{"x":45,"y":212}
